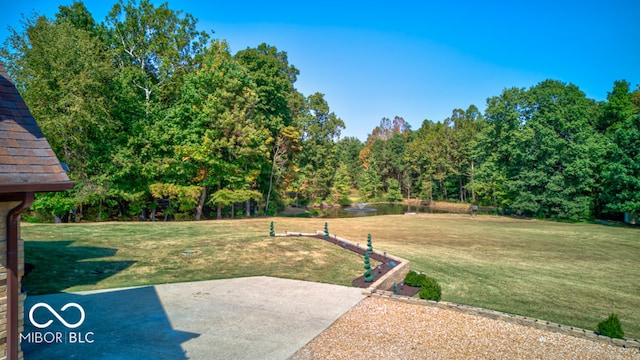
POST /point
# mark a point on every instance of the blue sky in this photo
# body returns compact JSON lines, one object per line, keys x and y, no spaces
{"x":419,"y":60}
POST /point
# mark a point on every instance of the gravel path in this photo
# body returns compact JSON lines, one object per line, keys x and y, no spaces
{"x":384,"y":329}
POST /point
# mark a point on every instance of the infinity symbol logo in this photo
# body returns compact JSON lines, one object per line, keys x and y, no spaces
{"x":46,"y":306}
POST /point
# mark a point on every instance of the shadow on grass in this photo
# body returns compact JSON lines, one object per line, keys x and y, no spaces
{"x":122,"y":324}
{"x":55,"y":266}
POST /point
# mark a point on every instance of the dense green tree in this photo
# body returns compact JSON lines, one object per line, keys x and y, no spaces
{"x":317,"y":160}
{"x":466,"y":127}
{"x":179,"y":197}
{"x":393,"y":190}
{"x":63,"y":73}
{"x":218,"y":142}
{"x":419,"y":160}
{"x":347,"y":152}
{"x":371,"y":183}
{"x":620,"y":124}
{"x":429,"y":158}
{"x":57,"y":204}
{"x":341,"y":188}
{"x":383,"y":132}
{"x":274,"y":78}
{"x":79,"y":16}
{"x":144,"y":107}
{"x":386,"y":146}
{"x":279,"y":106}
{"x":541,"y":144}
{"x":143,"y":103}
{"x":283,"y":170}
{"x":153,"y":48}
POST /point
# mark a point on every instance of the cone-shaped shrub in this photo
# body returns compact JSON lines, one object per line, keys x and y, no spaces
{"x":368,"y":276}
{"x":611,"y":327}
{"x":367,"y":262}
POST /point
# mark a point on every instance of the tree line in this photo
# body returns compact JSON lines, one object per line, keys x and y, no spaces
{"x":149,"y":114}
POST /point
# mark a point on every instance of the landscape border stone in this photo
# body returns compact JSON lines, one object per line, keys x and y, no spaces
{"x":514,"y":319}
{"x":397,"y":274}
{"x":386,"y":281}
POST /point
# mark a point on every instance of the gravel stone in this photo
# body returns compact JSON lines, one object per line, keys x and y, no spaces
{"x":378,"y":328}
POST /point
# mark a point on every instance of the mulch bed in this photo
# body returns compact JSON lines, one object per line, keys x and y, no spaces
{"x":385,"y":266}
{"x":404,"y":290}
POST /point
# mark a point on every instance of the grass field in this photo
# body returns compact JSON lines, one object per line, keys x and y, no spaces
{"x":574,"y":274}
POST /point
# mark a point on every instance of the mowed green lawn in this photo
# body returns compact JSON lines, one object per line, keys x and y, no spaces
{"x":573,"y":274}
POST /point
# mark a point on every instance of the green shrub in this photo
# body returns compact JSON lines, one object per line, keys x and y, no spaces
{"x":414,"y":279}
{"x":183,"y":217}
{"x":611,"y":327}
{"x":430,"y":289}
{"x":36,"y":217}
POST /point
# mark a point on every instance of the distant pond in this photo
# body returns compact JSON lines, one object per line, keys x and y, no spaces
{"x":376,"y":209}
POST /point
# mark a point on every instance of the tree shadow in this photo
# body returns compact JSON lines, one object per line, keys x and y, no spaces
{"x":122,"y":324}
{"x":53,"y":266}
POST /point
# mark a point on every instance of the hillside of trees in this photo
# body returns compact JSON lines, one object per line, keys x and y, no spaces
{"x":149,"y":114}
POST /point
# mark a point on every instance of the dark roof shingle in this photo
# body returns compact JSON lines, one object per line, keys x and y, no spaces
{"x":26,"y":157}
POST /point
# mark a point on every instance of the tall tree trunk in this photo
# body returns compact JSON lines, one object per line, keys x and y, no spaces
{"x":219,"y":214}
{"x":443,"y":184}
{"x":473,"y":190}
{"x":233,"y":210}
{"x":273,"y":167}
{"x":248,"y":208}
{"x":203,"y":197}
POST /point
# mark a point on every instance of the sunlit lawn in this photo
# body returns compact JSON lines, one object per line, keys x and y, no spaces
{"x":574,"y":274}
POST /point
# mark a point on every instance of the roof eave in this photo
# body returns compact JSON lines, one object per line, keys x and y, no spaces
{"x":36,"y":187}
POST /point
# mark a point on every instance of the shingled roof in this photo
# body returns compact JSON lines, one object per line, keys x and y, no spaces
{"x":27,"y":163}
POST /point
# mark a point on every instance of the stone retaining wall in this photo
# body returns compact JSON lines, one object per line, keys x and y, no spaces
{"x":386,"y":281}
{"x":514,"y":319}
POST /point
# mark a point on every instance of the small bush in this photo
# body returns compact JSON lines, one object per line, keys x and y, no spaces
{"x":611,"y":327}
{"x":430,"y":290}
{"x":414,"y":279}
{"x":183,"y":217}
